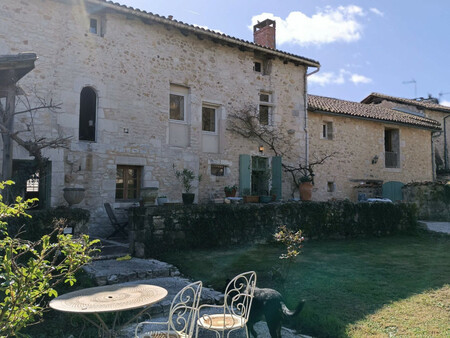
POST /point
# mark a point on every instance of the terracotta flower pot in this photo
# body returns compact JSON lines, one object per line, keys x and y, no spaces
{"x":305,"y":189}
{"x":231,"y":193}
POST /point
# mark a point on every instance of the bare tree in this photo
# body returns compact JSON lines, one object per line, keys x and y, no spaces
{"x":245,"y":122}
{"x":27,"y":135}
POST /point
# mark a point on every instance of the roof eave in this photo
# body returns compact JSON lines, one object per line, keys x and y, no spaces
{"x":210,"y":34}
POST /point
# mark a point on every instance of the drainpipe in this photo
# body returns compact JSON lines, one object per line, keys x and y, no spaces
{"x":434,"y":134}
{"x":305,"y":127}
{"x":445,"y":144}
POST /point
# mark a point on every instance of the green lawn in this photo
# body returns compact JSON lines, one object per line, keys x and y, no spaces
{"x":391,"y":286}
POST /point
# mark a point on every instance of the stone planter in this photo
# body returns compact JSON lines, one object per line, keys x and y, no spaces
{"x":162,"y":200}
{"x":73,"y":195}
{"x":305,"y":189}
{"x":149,"y":195}
{"x":251,"y":199}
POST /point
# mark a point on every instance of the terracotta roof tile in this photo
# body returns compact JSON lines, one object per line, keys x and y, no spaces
{"x":416,"y":103}
{"x":368,"y":111}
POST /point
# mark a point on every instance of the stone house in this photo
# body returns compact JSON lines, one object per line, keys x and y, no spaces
{"x":142,"y":93}
{"x":371,"y":145}
{"x":428,"y":107}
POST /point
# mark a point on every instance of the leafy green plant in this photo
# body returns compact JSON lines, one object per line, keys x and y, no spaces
{"x":230,"y":188}
{"x":246,"y":192}
{"x":30,"y":270}
{"x":186,"y":177}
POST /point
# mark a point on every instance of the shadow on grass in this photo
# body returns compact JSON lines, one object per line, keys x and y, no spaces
{"x":343,"y":281}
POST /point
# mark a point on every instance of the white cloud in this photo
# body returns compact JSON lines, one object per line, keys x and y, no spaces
{"x":445,"y":103}
{"x":326,"y":26}
{"x":206,"y":27}
{"x":357,"y":79}
{"x":339,"y":78}
{"x":377,"y":11}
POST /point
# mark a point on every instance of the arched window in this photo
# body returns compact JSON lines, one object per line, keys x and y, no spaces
{"x":88,"y":114}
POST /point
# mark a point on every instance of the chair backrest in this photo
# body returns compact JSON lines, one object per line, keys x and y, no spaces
{"x":110,"y":213}
{"x":184,"y":309}
{"x":239,"y":294}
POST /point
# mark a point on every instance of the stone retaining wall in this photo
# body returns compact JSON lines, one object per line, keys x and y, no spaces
{"x":159,"y":229}
{"x":431,"y":198}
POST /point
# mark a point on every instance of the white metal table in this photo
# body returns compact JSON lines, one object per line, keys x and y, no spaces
{"x":109,"y":298}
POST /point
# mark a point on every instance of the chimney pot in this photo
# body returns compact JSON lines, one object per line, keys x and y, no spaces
{"x":264,"y":33}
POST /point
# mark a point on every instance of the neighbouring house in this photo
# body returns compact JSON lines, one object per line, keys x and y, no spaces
{"x":371,"y":145}
{"x":141,"y":93}
{"x":428,"y":107}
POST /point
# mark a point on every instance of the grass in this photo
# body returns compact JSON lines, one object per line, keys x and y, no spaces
{"x":392,"y":286}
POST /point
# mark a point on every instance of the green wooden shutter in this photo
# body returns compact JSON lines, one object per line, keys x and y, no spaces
{"x":393,"y":190}
{"x":244,"y":173}
{"x":276,"y":176}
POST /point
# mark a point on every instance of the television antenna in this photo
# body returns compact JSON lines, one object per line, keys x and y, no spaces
{"x":415,"y":86}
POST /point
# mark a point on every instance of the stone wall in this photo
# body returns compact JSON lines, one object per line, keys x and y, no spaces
{"x":131,"y":67}
{"x":431,"y":198}
{"x":158,"y":229}
{"x":358,"y":147}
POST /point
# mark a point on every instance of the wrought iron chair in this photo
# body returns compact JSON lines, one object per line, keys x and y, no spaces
{"x":233,"y":314}
{"x":182,"y":315}
{"x":119,"y":227}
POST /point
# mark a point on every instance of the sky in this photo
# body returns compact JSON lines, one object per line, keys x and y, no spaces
{"x":394,"y":47}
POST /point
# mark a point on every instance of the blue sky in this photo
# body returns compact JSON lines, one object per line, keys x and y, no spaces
{"x":395,"y":47}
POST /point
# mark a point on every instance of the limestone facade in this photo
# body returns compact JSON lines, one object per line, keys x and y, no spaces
{"x":133,"y":61}
{"x":358,"y":148}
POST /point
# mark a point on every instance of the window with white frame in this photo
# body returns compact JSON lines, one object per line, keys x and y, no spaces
{"x":265,"y":108}
{"x":327,"y":131}
{"x":178,"y":100}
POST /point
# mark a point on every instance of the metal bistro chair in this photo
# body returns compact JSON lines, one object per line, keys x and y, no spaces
{"x":233,"y":314}
{"x":119,"y":227}
{"x":182,"y":315}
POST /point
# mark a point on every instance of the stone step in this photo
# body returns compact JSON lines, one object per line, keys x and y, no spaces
{"x":113,"y":271}
{"x":110,"y":249}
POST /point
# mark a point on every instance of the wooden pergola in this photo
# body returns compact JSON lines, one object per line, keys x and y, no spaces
{"x":12,"y":69}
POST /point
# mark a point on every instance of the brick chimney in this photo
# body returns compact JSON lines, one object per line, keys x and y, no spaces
{"x":264,"y":33}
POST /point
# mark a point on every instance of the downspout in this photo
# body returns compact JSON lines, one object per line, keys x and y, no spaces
{"x":305,"y":127}
{"x":434,"y":134}
{"x":445,"y":144}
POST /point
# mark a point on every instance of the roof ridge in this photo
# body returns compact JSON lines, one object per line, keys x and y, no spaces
{"x":174,"y":22}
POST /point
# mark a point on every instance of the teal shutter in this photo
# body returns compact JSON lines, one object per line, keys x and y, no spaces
{"x":276,"y":176}
{"x":244,"y":173}
{"x":393,"y":190}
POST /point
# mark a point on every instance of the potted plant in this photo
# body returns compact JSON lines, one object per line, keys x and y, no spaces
{"x":249,"y":198}
{"x":230,"y":191}
{"x":305,"y":187}
{"x":186,"y":177}
{"x":162,"y":200}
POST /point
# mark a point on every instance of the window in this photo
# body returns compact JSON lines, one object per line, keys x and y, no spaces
{"x":176,"y":107}
{"x":331,"y":187}
{"x":327,"y":131}
{"x":265,"y":108}
{"x":88,"y":113}
{"x":209,"y":119}
{"x":257,"y":67}
{"x":93,"y":26}
{"x":128,"y":182}
{"x":217,"y":170}
{"x":391,"y":148}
